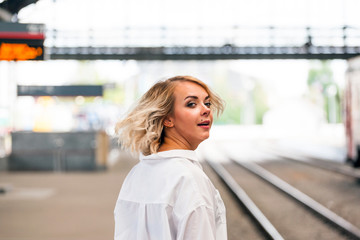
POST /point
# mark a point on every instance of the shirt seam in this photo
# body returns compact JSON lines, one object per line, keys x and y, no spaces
{"x":198,"y":206}
{"x":144,"y":202}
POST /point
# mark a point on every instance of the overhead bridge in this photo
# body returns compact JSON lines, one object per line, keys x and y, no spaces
{"x":204,"y":43}
{"x":202,"y":53}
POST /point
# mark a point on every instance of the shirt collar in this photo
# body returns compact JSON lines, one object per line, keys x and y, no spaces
{"x":188,"y":154}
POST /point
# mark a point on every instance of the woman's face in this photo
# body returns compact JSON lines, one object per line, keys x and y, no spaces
{"x":191,"y":118}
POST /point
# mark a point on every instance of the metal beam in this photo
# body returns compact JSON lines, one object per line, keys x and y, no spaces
{"x":202,"y":53}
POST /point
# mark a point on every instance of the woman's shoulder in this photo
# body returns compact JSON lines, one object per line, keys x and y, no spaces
{"x":175,"y":180}
{"x":174,"y":166}
{"x":189,"y":176}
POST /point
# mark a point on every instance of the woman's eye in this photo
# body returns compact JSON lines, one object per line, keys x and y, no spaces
{"x":208,"y":104}
{"x":190,"y":104}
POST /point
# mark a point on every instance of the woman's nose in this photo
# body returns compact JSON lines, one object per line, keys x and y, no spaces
{"x":205,"y":111}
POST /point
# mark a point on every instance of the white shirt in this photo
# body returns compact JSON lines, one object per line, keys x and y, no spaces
{"x":167,"y":196}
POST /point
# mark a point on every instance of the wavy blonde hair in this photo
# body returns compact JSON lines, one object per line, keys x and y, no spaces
{"x":142,"y":130}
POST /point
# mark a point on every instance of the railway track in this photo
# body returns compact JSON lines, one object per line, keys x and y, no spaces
{"x":279,"y":209}
{"x":337,"y":167}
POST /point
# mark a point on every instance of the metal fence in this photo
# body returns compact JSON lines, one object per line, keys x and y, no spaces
{"x":204,"y":36}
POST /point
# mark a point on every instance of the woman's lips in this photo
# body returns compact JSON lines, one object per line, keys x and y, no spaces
{"x":204,"y":124}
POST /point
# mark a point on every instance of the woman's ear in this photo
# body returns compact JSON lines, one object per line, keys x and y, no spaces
{"x":168,"y":122}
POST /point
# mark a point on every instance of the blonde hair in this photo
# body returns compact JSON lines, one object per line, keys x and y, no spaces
{"x":142,"y":129}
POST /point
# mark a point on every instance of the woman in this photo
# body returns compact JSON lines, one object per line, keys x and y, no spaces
{"x":167,"y":196}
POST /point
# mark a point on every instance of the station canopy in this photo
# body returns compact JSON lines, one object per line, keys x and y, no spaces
{"x":14,"y":6}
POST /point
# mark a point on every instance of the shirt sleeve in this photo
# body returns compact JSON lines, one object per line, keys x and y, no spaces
{"x":198,"y":225}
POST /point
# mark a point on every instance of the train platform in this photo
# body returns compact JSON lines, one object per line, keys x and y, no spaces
{"x":58,"y":206}
{"x":79,"y":205}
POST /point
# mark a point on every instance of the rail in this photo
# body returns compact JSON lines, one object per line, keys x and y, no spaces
{"x":304,"y":199}
{"x":246,"y":201}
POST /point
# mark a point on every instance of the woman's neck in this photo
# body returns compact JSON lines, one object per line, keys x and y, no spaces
{"x":171,"y":143}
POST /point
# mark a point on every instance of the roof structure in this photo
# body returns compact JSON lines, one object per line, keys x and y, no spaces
{"x":9,"y":8}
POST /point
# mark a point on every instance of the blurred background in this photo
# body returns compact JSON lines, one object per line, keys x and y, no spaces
{"x":288,"y":71}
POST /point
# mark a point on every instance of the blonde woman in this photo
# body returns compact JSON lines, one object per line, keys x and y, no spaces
{"x":167,"y":196}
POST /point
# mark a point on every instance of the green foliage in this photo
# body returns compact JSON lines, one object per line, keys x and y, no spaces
{"x":260,"y":102}
{"x":231,"y":114}
{"x":321,"y":82}
{"x":320,"y":73}
{"x":240,"y":101}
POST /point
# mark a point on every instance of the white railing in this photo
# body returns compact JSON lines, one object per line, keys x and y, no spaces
{"x":203,"y":36}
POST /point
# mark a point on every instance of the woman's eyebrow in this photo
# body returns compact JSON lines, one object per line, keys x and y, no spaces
{"x":195,"y":97}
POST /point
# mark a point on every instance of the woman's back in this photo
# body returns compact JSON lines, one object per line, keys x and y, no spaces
{"x":165,"y":193}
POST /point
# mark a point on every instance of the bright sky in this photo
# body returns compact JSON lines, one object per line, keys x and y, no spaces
{"x":73,"y":14}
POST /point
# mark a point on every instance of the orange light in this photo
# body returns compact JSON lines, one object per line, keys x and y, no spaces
{"x":19,"y":51}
